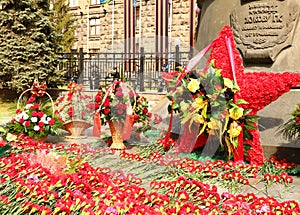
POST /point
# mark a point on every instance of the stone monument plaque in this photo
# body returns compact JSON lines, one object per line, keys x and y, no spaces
{"x":262,"y":29}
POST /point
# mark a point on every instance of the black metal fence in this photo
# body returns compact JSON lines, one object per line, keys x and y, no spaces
{"x":142,"y":70}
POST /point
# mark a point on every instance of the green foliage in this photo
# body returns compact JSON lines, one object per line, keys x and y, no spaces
{"x":64,"y":24}
{"x":28,"y":44}
{"x":290,"y":130}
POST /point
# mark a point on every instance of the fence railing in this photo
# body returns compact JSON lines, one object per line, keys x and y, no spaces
{"x":142,"y":70}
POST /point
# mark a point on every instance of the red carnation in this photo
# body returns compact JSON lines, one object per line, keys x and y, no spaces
{"x":30,"y":100}
{"x":40,"y":114}
{"x":51,"y":121}
{"x":35,"y":106}
{"x":41,"y":124}
{"x":2,"y":143}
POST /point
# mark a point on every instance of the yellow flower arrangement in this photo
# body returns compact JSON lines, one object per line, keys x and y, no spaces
{"x":205,"y":101}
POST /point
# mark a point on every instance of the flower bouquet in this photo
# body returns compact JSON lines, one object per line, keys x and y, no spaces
{"x":35,"y":120}
{"x":76,"y":110}
{"x":120,"y":107}
{"x":207,"y":105}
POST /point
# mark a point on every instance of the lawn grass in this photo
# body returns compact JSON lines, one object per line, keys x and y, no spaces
{"x":7,"y":108}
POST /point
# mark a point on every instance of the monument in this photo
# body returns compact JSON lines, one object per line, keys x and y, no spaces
{"x":266,"y":33}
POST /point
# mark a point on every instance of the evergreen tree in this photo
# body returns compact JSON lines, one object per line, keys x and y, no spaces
{"x":64,"y":24}
{"x":27,"y":44}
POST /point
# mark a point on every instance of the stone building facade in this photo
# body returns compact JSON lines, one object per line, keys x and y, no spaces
{"x":101,"y":27}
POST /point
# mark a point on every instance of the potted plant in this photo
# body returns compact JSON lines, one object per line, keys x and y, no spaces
{"x":76,"y":110}
{"x":120,"y":107}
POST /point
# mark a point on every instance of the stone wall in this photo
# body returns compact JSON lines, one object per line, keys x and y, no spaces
{"x":103,"y":42}
{"x":266,"y":32}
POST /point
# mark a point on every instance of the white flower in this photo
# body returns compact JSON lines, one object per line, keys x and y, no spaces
{"x":18,"y":117}
{"x":25,"y":116}
{"x":28,"y":106}
{"x":36,"y":128}
{"x":44,"y":119}
{"x":34,"y":119}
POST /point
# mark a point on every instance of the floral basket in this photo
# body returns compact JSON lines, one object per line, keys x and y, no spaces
{"x":120,"y":107}
{"x":76,"y":128}
{"x":34,"y":120}
{"x":76,"y":111}
{"x":116,"y":133}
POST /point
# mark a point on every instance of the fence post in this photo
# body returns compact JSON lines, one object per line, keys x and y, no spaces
{"x":142,"y":67}
{"x":177,"y":58}
{"x":81,"y":64}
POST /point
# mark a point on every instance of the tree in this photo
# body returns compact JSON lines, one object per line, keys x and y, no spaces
{"x":27,"y":44}
{"x":64,"y":24}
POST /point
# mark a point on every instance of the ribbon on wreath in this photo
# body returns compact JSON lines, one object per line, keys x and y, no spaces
{"x":238,"y":153}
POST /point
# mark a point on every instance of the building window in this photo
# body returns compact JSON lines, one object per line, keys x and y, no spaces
{"x":73,"y":3}
{"x":95,"y":26}
{"x":95,"y":2}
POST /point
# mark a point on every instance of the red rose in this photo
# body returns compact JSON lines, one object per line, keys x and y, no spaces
{"x":34,"y":113}
{"x":118,"y":106}
{"x":120,"y":111}
{"x":119,"y":93}
{"x":12,"y":121}
{"x":106,"y":111}
{"x":131,"y":93}
{"x":136,"y":117}
{"x":21,"y":120}
{"x":145,"y":111}
{"x":27,"y":124}
{"x":70,"y":114}
{"x":106,"y":103}
{"x":18,"y":111}
{"x":98,"y":98}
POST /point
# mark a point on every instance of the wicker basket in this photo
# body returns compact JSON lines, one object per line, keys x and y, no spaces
{"x":116,"y":133}
{"x":76,"y":128}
